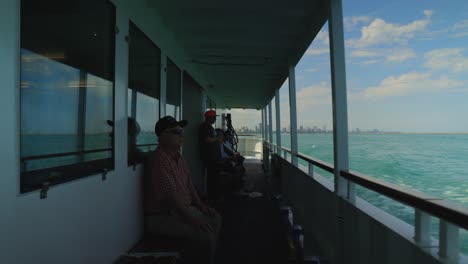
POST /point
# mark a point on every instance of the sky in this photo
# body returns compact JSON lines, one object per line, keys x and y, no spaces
{"x":406,"y":67}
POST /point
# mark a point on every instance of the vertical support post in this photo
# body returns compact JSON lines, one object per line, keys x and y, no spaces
{"x":340,"y":123}
{"x":133,"y":105}
{"x":270,"y":136}
{"x":340,"y":105}
{"x":181,"y":94}
{"x":311,"y":170}
{"x":265,"y":139}
{"x":422,"y":228}
{"x":278,"y":122}
{"x":293,"y":114}
{"x":265,"y":116}
{"x":270,"y":122}
{"x":448,"y":240}
{"x":163,"y":95}
{"x":81,"y":128}
{"x":263,"y":124}
{"x":121,"y":92}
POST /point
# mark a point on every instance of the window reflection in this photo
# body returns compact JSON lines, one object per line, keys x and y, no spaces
{"x":66,"y":89}
{"x":144,"y":89}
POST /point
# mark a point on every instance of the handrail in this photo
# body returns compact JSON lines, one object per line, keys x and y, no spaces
{"x":443,"y":209}
{"x":439,"y":207}
{"x":319,"y":163}
{"x":63,"y":154}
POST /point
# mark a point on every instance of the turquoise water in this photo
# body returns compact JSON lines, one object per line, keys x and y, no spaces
{"x":435,"y":164}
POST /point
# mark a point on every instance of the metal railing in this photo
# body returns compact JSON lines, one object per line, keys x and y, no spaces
{"x":450,"y":214}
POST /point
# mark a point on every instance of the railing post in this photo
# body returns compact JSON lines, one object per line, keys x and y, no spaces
{"x":311,"y":170}
{"x":448,"y":240}
{"x":422,"y":228}
{"x":293,"y":114}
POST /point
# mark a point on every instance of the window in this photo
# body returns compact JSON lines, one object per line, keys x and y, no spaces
{"x":143,"y":93}
{"x":67,"y":89}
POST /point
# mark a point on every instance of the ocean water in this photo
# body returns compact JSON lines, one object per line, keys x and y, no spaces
{"x":436,"y":164}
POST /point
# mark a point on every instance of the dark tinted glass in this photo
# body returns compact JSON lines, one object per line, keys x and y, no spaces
{"x":67,"y":87}
{"x":143,"y":93}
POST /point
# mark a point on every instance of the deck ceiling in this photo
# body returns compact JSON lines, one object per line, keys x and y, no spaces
{"x":243,"y":48}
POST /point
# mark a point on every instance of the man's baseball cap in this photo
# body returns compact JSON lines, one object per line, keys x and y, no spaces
{"x":168,"y":122}
{"x":210,"y":113}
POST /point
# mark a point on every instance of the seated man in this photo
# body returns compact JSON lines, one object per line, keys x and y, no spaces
{"x":172,"y":206}
{"x":230,"y":162}
{"x":227,"y":152}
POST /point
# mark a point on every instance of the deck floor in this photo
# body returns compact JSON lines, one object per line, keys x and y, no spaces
{"x":252,"y":230}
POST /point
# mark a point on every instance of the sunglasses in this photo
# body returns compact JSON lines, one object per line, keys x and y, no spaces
{"x":176,"y":131}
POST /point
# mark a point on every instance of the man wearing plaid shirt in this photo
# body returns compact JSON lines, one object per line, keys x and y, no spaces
{"x":172,"y":206}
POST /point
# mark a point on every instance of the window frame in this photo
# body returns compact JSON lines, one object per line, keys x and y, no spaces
{"x":40,"y":178}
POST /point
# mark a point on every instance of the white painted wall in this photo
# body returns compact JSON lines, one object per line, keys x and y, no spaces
{"x":193,"y":112}
{"x":87,"y":220}
{"x":9,"y":145}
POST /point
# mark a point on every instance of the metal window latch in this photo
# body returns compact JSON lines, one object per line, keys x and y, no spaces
{"x":44,"y":189}
{"x":134,"y":166}
{"x":127,"y":39}
{"x":104,"y":174}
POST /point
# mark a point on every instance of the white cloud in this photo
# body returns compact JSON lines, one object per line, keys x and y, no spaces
{"x":380,"y":32}
{"x":312,"y":96}
{"x":390,"y":55}
{"x":322,"y":38}
{"x":428,"y":13}
{"x":461,"y":25}
{"x":320,"y":45}
{"x":461,"y":34}
{"x":350,"y":23}
{"x":368,"y":62}
{"x":460,"y":29}
{"x":245,"y":117}
{"x":448,"y":58}
{"x":317,"y":51}
{"x":400,"y":55}
{"x":364,"y":53}
{"x":408,"y":83}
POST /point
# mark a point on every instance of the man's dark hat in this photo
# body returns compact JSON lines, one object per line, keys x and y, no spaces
{"x":168,"y":122}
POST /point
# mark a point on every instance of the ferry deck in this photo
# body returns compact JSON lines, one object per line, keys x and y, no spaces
{"x":117,"y":59}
